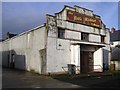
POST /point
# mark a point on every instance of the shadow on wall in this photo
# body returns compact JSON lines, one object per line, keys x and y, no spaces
{"x":0,"y":59}
{"x":11,"y":59}
{"x":105,"y":59}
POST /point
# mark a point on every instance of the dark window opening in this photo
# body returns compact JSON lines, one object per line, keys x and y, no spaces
{"x":102,"y":39}
{"x":61,"y":33}
{"x":84,"y":36}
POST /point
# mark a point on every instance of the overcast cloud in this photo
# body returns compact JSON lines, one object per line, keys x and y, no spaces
{"x":20,"y":16}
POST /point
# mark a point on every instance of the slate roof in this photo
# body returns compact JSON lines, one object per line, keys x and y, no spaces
{"x":115,"y":36}
{"x":115,"y":54}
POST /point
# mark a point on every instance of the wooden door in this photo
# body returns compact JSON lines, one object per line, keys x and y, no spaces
{"x":90,"y":60}
{"x":84,"y":62}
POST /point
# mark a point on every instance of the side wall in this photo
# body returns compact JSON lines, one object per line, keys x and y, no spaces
{"x":5,"y":53}
{"x":58,"y":54}
{"x":25,"y":48}
{"x":58,"y":50}
{"x":98,"y":60}
{"x":106,"y":51}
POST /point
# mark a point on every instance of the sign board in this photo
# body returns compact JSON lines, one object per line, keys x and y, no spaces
{"x":83,"y":19}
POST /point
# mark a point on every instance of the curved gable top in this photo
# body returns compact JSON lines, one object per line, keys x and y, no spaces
{"x":79,"y":15}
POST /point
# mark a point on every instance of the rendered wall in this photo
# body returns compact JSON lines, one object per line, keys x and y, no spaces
{"x":57,"y":56}
{"x":72,"y":35}
{"x":106,"y":50}
{"x":61,"y":21}
{"x":117,"y":64}
{"x":58,"y":50}
{"x":75,"y":55}
{"x":61,"y":52}
{"x":5,"y":52}
{"x":98,"y":60}
{"x":106,"y":56}
{"x":25,"y":48}
{"x":94,"y":38}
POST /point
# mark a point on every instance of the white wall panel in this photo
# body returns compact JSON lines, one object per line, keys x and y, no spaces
{"x":98,"y":60}
{"x":102,"y":32}
{"x":58,"y":56}
{"x":72,"y":35}
{"x":94,"y":38}
{"x":75,"y":55}
{"x":26,"y":48}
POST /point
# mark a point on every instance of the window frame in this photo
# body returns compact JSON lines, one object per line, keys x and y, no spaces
{"x":102,"y":39}
{"x":84,"y":36}
{"x":61,"y":33}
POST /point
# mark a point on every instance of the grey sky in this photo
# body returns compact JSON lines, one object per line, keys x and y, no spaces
{"x":18,"y":17}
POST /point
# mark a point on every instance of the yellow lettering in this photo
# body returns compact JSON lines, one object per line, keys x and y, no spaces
{"x":77,"y":18}
{"x":90,"y":19}
{"x":93,"y":24}
{"x":70,"y":13}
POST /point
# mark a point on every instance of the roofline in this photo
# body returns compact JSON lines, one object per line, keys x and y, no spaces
{"x":26,"y":32}
{"x":64,"y":8}
{"x":83,"y":8}
{"x":50,"y":15}
{"x":96,"y":15}
{"x":107,"y":29}
{"x":115,"y":41}
{"x":73,"y":8}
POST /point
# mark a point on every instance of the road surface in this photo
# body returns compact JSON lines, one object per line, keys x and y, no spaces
{"x":22,"y":79}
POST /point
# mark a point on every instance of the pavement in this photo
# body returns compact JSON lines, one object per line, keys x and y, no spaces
{"x":22,"y":79}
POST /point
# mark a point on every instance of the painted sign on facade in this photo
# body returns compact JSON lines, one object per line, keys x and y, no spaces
{"x":83,"y":19}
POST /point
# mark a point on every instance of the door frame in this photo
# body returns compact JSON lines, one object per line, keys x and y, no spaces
{"x":85,"y":64}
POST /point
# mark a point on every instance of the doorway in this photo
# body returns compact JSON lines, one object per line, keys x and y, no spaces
{"x":86,"y":61}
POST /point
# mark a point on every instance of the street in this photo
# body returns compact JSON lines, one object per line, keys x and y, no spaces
{"x":22,"y":79}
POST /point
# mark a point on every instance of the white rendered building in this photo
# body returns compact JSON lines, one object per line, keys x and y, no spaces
{"x":75,"y":35}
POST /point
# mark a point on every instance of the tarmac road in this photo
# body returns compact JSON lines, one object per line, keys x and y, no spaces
{"x":22,"y":79}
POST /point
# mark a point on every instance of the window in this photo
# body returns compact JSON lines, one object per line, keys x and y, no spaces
{"x":61,"y":33}
{"x":102,"y":39}
{"x":84,"y":36}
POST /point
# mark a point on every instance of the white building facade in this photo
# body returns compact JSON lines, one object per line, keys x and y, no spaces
{"x":73,"y":36}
